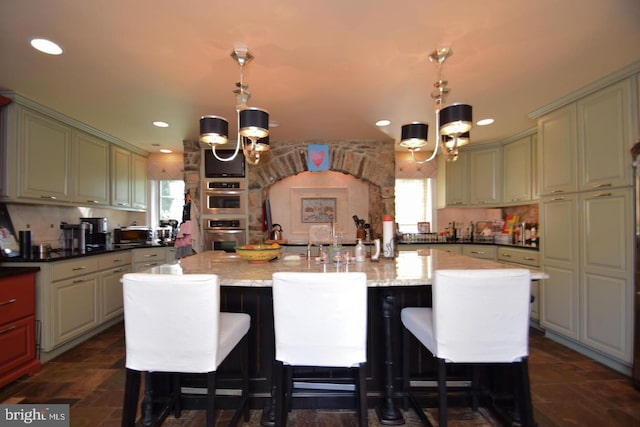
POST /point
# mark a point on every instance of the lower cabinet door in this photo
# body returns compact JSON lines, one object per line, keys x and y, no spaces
{"x":18,"y":344}
{"x":76,"y":308}
{"x":112,"y":304}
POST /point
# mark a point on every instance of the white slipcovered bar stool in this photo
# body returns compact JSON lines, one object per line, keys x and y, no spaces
{"x":173,"y":324}
{"x":477,"y":317}
{"x":320,"y":319}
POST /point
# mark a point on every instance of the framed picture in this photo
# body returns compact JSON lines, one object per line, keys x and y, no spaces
{"x":318,"y":209}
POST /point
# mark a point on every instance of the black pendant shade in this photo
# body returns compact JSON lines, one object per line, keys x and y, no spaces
{"x":414,"y":135}
{"x":214,"y":130}
{"x":254,"y":123}
{"x":455,"y":119}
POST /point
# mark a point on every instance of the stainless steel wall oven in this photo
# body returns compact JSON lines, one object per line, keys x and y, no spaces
{"x":224,"y":197}
{"x":224,"y":234}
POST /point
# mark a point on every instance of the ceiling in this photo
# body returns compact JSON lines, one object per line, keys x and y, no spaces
{"x":324,"y":70}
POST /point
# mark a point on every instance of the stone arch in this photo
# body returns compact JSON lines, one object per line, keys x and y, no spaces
{"x":370,"y":161}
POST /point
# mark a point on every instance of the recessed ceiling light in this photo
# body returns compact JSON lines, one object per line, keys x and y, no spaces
{"x":46,"y":46}
{"x":165,"y":150}
{"x":274,"y":124}
{"x":484,"y":122}
{"x":161,"y":124}
{"x":382,"y":123}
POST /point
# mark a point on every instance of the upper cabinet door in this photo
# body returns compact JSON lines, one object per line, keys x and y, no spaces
{"x":91,"y":165}
{"x":604,"y":121}
{"x":120,"y":177}
{"x":517,"y":160}
{"x":45,"y":158}
{"x":139,"y":182}
{"x":557,"y":151}
{"x":485,"y":176}
{"x":456,"y":178}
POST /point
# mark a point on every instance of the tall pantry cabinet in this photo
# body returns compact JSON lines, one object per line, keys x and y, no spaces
{"x":586,"y":206}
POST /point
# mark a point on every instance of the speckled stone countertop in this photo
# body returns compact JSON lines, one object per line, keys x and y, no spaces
{"x":409,"y":268}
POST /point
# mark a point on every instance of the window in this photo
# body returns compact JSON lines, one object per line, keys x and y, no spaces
{"x":171,"y":200}
{"x":414,"y":203}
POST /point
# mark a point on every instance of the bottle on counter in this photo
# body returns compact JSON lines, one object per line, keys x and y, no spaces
{"x":388,"y":251}
{"x":359,"y":251}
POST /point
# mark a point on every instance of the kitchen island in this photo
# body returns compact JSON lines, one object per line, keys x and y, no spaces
{"x":393,"y":283}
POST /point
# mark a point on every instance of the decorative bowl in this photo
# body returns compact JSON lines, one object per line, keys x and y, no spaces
{"x":258,"y":254}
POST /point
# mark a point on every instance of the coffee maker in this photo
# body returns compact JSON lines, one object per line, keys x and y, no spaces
{"x":96,"y":233}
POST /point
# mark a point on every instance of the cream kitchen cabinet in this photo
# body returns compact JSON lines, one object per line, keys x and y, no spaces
{"x":44,"y":146}
{"x":128,"y":179}
{"x":75,"y":303}
{"x":77,"y":298}
{"x":525,"y":258}
{"x":91,"y":170}
{"x":606,"y":272}
{"x":115,"y":266}
{"x":484,"y":176}
{"x":559,"y":250}
{"x":48,"y":158}
{"x":138,"y":182}
{"x":456,"y":181}
{"x":585,"y":145}
{"x":517,"y":184}
{"x":489,"y":252}
{"x":120,"y":177}
{"x":558,"y":151}
{"x":604,"y":137}
{"x":145,"y":258}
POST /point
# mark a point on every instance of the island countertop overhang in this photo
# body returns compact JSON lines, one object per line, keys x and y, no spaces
{"x":408,"y":268}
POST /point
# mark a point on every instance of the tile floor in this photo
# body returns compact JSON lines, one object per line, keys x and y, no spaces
{"x":568,"y":390}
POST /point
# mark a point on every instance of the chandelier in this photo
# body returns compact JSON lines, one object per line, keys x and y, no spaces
{"x":253,"y":123}
{"x":453,"y":121}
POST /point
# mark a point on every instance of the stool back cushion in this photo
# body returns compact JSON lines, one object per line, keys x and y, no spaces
{"x":320,"y":319}
{"x":171,"y":322}
{"x":481,"y":315}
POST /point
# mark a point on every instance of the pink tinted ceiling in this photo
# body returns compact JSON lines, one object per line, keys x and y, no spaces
{"x":324,"y":70}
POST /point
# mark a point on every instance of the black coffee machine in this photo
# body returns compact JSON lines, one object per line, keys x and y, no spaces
{"x":96,"y":233}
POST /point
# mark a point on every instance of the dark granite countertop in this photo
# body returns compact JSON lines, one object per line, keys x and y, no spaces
{"x":60,"y":255}
{"x":17,"y":271}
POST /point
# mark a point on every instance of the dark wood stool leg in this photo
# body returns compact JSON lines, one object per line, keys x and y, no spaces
{"x":361,"y":390}
{"x":442,"y":393}
{"x":279,"y":395}
{"x":131,"y":395}
{"x":175,"y":396}
{"x":526,"y":407}
{"x":475,"y":386}
{"x":211,"y":399}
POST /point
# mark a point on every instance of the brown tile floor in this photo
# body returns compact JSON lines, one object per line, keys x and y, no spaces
{"x":568,"y":390}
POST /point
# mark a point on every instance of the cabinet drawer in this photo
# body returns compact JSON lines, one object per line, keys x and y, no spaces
{"x":149,"y":255}
{"x":519,"y":256}
{"x":17,"y":297}
{"x":117,"y":259}
{"x":480,"y":251}
{"x":17,"y":340}
{"x":65,"y":269}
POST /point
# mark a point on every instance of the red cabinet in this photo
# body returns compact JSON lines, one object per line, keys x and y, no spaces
{"x":17,"y":327}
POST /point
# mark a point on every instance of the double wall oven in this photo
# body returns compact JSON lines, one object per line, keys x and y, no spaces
{"x":224,"y":214}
